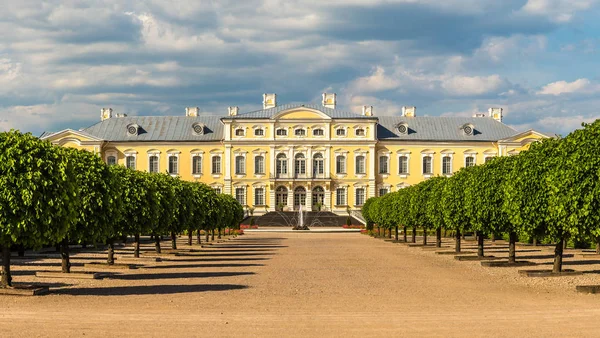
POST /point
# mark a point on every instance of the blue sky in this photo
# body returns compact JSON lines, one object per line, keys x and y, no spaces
{"x":60,"y":61}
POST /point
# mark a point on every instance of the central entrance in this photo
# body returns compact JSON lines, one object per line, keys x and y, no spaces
{"x":299,"y":197}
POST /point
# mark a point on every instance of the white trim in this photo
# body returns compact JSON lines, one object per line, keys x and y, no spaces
{"x":451,"y":155}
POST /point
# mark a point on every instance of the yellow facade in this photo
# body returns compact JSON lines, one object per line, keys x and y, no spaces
{"x":299,"y":155}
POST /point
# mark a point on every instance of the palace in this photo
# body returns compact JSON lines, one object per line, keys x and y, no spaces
{"x":284,"y":156}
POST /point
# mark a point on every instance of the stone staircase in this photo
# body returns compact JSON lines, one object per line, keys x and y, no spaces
{"x":311,"y":218}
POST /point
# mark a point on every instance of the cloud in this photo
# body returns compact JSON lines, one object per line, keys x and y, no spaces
{"x":579,"y":86}
{"x":558,"y":10}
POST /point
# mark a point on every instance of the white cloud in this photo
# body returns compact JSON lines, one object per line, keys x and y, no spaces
{"x":579,"y":86}
{"x":473,"y":85}
{"x":558,"y":10}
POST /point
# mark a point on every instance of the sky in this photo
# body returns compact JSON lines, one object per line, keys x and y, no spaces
{"x":62,"y":61}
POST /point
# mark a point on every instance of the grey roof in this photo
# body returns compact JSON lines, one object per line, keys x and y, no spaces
{"x":441,"y":128}
{"x":158,"y":128}
{"x":268,"y":113}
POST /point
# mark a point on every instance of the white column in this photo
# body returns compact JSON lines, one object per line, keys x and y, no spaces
{"x":272,"y":162}
{"x":272,"y":200}
{"x":309,"y":163}
{"x":327,"y":203}
{"x":327,"y":161}
{"x":371,"y":165}
{"x":290,"y":201}
{"x":291,"y":162}
{"x":227,"y":162}
{"x":308,"y":197}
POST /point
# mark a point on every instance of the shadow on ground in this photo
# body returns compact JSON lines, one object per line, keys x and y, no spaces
{"x":175,"y":275}
{"x":148,"y":290}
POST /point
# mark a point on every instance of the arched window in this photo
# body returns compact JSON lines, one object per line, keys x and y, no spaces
{"x":240,"y":165}
{"x":197,"y":165}
{"x":340,"y":132}
{"x":318,"y":196}
{"x":340,"y":164}
{"x":259,"y":165}
{"x":281,"y":132}
{"x":239,"y":132}
{"x":173,"y":164}
{"x":427,"y":167}
{"x":240,"y":195}
{"x":340,"y":196}
{"x":300,"y":165}
{"x":259,"y":196}
{"x":360,"y":196}
{"x":318,"y":132}
{"x":130,"y":162}
{"x":281,"y":165}
{"x":469,"y":161}
{"x":384,"y":168}
{"x":281,"y":195}
{"x":489,"y":158}
{"x":446,"y":165}
{"x":403,"y":165}
{"x":318,"y":165}
{"x":153,"y":164}
{"x":216,"y":165}
{"x":300,"y":132}
{"x":111,"y":160}
{"x":299,"y":197}
{"x":360,"y":164}
{"x":383,"y":191}
{"x":259,"y":132}
{"x":360,"y":132}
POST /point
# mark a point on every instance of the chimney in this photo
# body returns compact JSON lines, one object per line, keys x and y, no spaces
{"x":269,"y":101}
{"x":233,"y":111}
{"x":192,"y":111}
{"x":478,"y":115}
{"x":367,"y":111}
{"x":329,"y":100}
{"x":105,"y":113}
{"x":496,"y":114}
{"x":409,"y":111}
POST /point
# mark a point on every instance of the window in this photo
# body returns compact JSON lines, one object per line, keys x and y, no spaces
{"x":281,"y":168}
{"x":403,"y":165}
{"x":340,"y":196}
{"x":239,"y":132}
{"x":111,"y":160}
{"x":281,"y":132}
{"x":216,"y":164}
{"x":259,"y":196}
{"x":318,"y":165}
{"x":240,"y":195}
{"x":300,"y":132}
{"x":469,"y":161}
{"x":487,"y":159}
{"x":340,"y":164}
{"x":383,"y":191}
{"x":299,"y":197}
{"x":340,"y":132}
{"x":259,"y":132}
{"x":360,"y":196}
{"x":173,"y":165}
{"x":446,"y":165}
{"x":153,"y":164}
{"x":240,"y":165}
{"x":427,"y":165}
{"x":360,"y":132}
{"x":318,"y":132}
{"x":360,"y":165}
{"x":300,"y":165}
{"x":130,"y":162}
{"x":281,"y":196}
{"x":197,"y":165}
{"x":217,"y":190}
{"x":259,"y":165}
{"x":383,"y":165}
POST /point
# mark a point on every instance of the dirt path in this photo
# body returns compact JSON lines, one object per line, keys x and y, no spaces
{"x":310,"y":285}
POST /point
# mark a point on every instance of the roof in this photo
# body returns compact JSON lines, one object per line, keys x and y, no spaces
{"x":270,"y":112}
{"x":442,"y":128}
{"x":158,"y":128}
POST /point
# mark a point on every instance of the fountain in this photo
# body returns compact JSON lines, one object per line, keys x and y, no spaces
{"x":300,"y":225}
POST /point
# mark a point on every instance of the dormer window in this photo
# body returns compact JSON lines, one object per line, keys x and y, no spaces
{"x":132,"y":129}
{"x":281,"y":132}
{"x":239,"y":132}
{"x":403,"y":128}
{"x":468,"y":129}
{"x":300,"y":132}
{"x":259,"y":132}
{"x":340,"y":132}
{"x":360,"y":132}
{"x":318,"y":132}
{"x":198,"y":128}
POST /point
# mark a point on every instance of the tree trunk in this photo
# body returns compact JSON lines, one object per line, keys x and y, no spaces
{"x":173,"y":241}
{"x":190,"y":238}
{"x":396,"y":233}
{"x":111,"y":252}
{"x":6,"y":278}
{"x":464,"y":236}
{"x":564,"y":244}
{"x":157,"y":243}
{"x":598,"y":246}
{"x":219,"y":232}
{"x":558,"y":256}
{"x":207,"y":234}
{"x":445,"y":232}
{"x":404,"y":230}
{"x":457,"y":241}
{"x":212,"y":235}
{"x":535,"y":241}
{"x":438,"y":238}
{"x":493,"y":237}
{"x":512,"y":240}
{"x":390,"y":233}
{"x":64,"y":255}
{"x":414,"y":235}
{"x":424,"y":236}
{"x":136,"y":246}
{"x":378,"y":231}
{"x":480,"y":252}
{"x":198,"y":235}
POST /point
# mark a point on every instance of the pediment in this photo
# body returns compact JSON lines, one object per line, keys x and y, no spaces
{"x":301,"y":113}
{"x":71,"y":136}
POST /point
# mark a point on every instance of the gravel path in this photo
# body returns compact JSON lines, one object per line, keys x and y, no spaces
{"x":312,"y":285}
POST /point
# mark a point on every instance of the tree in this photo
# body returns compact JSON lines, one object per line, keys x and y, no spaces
{"x":366,"y":212}
{"x":165,"y":203}
{"x":434,"y":207}
{"x":37,"y":195}
{"x":453,"y":201}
